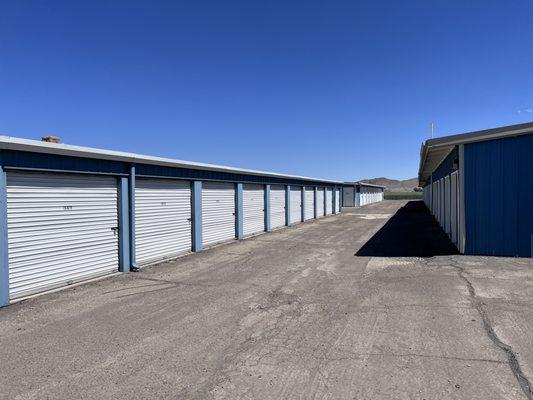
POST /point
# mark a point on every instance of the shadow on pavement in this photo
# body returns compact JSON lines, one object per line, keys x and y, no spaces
{"x":411,"y":232}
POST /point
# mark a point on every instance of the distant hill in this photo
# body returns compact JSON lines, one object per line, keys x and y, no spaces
{"x":393,"y":185}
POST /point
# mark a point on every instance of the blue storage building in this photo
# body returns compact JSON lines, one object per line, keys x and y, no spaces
{"x":479,"y":186}
{"x":358,"y":194}
{"x":70,"y":213}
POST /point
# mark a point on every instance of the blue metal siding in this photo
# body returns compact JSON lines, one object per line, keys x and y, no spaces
{"x":197,"y":174}
{"x":13,"y":159}
{"x":52,"y":162}
{"x":499,"y":197}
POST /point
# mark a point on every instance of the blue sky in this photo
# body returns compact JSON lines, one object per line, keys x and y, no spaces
{"x":334,"y":89}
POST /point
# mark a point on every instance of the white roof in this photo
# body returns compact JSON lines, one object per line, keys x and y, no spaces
{"x":37,"y":146}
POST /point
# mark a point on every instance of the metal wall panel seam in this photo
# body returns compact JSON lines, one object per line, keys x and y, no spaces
{"x":287,"y":205}
{"x":123,"y":225}
{"x":133,"y":261}
{"x":196,"y":203}
{"x":4,"y":259}
{"x":267,"y":208}
{"x":239,"y":233}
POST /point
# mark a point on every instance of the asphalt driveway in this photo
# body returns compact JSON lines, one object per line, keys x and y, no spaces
{"x":370,"y":304}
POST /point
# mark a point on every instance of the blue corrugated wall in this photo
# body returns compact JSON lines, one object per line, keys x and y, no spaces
{"x":499,"y":197}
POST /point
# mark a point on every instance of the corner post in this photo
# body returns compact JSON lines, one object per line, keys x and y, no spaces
{"x":196,"y":217}
{"x":287,"y":205}
{"x":123,"y":224}
{"x":4,"y":258}
{"x":238,"y":211}
{"x":267,"y":208}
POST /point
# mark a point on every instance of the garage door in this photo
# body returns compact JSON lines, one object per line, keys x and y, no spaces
{"x":253,"y":207}
{"x":329,"y":201}
{"x":320,"y":202}
{"x":309,"y":203}
{"x":338,"y":200}
{"x":218,"y":212}
{"x":61,"y":229}
{"x":447,"y":200}
{"x":296,"y":205}
{"x":453,"y":207}
{"x":162,"y":219}
{"x":277,"y":206}
{"x":348,"y":197}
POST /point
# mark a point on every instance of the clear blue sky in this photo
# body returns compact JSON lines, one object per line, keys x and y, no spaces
{"x":333,"y":89}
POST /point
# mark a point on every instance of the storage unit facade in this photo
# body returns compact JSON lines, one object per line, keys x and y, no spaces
{"x":358,"y":194}
{"x":481,"y":193}
{"x":70,"y":214}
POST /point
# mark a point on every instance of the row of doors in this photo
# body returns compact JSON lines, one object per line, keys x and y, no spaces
{"x":64,"y":228}
{"x":370,"y":195}
{"x":444,"y":204}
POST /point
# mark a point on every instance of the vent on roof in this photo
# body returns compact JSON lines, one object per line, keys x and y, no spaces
{"x":51,"y":139}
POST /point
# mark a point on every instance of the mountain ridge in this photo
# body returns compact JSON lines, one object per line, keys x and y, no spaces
{"x":394,"y":185}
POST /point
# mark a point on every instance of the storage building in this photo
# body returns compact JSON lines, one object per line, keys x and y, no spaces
{"x":69,"y":213}
{"x":479,"y":187}
{"x":357,"y":194}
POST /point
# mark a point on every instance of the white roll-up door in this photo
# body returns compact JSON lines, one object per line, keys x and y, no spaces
{"x":442,"y":203}
{"x":453,"y":208}
{"x":338,"y":200}
{"x":296,"y":204}
{"x":320,"y":202}
{"x":253,"y":207}
{"x":62,"y":229}
{"x":329,"y":201}
{"x":348,"y":199}
{"x":162,"y":219}
{"x":309,"y":203}
{"x":277,"y":206}
{"x":434,"y":201}
{"x":218,"y":212}
{"x":447,"y":198}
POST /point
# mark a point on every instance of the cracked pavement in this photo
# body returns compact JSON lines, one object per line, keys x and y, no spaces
{"x":337,"y":308}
